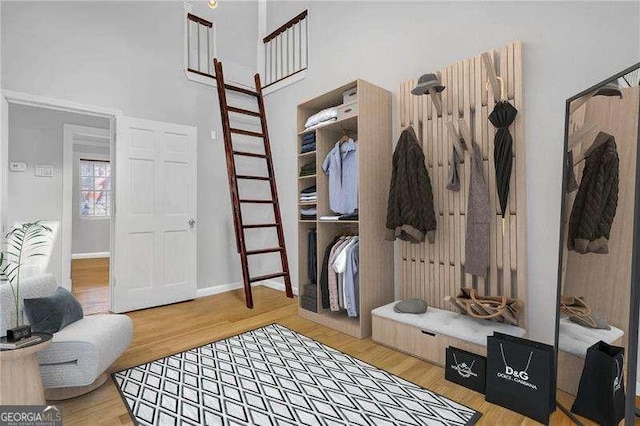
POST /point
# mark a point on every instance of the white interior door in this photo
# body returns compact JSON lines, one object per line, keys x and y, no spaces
{"x":155,"y":212}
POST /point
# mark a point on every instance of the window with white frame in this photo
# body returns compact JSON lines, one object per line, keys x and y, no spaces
{"x":95,"y":189}
{"x":200,"y":45}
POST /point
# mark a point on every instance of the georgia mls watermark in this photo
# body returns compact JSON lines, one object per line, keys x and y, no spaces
{"x":30,"y":415}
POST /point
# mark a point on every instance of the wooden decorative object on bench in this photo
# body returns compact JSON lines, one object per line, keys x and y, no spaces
{"x":434,"y":271}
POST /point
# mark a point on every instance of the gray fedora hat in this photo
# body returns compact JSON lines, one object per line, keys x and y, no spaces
{"x":426,"y":82}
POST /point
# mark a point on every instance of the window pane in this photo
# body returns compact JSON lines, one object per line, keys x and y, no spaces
{"x":102,"y":183}
{"x":95,"y":188}
{"x":100,"y":209}
{"x":86,"y":168}
{"x":100,"y":169}
{"x":86,"y":203}
{"x":86,"y":182}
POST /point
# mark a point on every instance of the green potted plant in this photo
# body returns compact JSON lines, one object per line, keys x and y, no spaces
{"x":22,"y":243}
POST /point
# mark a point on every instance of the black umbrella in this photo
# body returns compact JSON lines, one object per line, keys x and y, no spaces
{"x":501,"y":117}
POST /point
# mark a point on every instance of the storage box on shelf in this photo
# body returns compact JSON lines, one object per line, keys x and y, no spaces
{"x":370,"y":119}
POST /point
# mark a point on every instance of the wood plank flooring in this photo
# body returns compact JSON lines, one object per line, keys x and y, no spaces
{"x":169,"y":329}
{"x":90,"y":279}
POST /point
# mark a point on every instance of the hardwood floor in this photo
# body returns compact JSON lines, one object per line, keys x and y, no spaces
{"x":90,"y":279}
{"x":169,"y":329}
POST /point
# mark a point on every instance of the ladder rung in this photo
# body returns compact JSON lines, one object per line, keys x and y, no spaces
{"x":241,"y":90}
{"x":243,"y":111}
{"x":253,"y":177}
{"x":257,"y":201}
{"x":249,"y":154}
{"x":267,"y":277}
{"x":263,"y":251}
{"x":247,"y":132}
{"x":261,"y":225}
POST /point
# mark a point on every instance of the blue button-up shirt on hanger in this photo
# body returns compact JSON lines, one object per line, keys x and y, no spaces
{"x":341,"y":165}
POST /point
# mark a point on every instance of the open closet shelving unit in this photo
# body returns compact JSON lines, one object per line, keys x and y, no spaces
{"x":372,"y":125}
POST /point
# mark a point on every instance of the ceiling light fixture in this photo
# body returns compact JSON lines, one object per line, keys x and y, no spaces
{"x":213,"y":4}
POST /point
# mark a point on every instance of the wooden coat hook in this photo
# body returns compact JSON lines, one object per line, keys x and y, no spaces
{"x":465,"y":132}
{"x":436,"y":98}
{"x":459,"y":143}
{"x":497,"y":83}
{"x":503,"y":96}
{"x":578,"y":136}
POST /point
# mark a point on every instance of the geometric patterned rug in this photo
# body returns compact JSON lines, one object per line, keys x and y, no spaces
{"x":275,"y":376}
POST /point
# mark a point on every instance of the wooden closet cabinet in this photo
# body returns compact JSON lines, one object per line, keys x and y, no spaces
{"x":369,"y":122}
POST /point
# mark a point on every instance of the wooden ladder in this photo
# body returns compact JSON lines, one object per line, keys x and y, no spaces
{"x":236,"y":201}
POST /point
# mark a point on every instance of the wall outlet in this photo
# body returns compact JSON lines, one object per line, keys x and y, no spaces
{"x":213,"y":135}
{"x":43,"y":170}
{"x":18,"y":166}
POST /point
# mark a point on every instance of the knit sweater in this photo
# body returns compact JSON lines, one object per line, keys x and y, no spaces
{"x":597,"y":199}
{"x":410,"y":211}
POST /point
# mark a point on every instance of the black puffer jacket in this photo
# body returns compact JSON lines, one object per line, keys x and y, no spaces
{"x":410,"y":214}
{"x":597,"y":200}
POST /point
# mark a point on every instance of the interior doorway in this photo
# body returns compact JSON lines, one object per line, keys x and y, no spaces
{"x":87,"y":155}
{"x":60,"y":173}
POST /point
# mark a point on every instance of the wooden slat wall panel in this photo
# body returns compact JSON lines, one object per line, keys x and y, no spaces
{"x":433,"y":271}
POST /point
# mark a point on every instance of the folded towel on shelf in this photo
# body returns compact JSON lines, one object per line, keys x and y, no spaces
{"x":322,"y":123}
{"x":309,"y":137}
{"x":309,"y":167}
{"x":308,"y":148}
{"x":350,"y":216}
{"x":322,"y":116}
{"x":309,"y":190}
{"x":329,"y":217}
{"x":307,"y":173}
{"x":310,"y":211}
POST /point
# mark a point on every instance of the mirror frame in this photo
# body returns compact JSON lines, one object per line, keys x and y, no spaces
{"x":634,"y":308}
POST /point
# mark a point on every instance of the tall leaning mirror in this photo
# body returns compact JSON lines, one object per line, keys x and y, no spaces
{"x":597,"y":322}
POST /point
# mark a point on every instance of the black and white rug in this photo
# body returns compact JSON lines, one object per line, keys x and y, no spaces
{"x":275,"y":376}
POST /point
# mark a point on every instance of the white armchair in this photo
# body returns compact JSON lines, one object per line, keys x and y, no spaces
{"x":81,"y":353}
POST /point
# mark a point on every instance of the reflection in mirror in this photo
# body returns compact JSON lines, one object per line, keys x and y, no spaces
{"x":596,"y":250}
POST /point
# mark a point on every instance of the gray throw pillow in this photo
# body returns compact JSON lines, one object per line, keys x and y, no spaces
{"x":411,"y":306}
{"x":53,"y":313}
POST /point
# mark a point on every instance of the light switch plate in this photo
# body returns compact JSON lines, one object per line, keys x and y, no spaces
{"x":18,"y":166}
{"x":43,"y":170}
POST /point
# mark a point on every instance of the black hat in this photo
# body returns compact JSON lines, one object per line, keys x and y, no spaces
{"x":426,"y":82}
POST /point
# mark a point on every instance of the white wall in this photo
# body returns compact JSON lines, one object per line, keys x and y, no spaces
{"x":88,"y":235}
{"x":567,"y":48}
{"x":129,"y":56}
{"x":35,"y":137}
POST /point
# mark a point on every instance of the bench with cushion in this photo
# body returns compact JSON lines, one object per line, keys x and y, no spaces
{"x":80,"y":353}
{"x":427,"y":335}
{"x":574,"y":340}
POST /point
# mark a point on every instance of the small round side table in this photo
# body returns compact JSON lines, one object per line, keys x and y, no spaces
{"x":21,"y":383}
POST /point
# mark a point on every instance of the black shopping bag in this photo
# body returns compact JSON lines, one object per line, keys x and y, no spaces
{"x":466,"y":369}
{"x":521,"y":376}
{"x":601,"y":390}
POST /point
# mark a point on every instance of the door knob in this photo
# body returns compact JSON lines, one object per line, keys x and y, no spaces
{"x":192,"y":222}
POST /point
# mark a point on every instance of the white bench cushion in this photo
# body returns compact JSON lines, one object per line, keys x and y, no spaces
{"x":576,"y":339}
{"x":453,"y":324}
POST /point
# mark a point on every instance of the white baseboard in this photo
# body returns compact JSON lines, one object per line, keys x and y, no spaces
{"x":217,"y":289}
{"x":96,"y":255}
